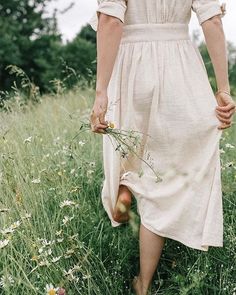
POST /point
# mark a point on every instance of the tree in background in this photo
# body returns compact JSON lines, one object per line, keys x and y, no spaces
{"x":28,"y":39}
{"x":88,"y":34}
{"x":80,"y":54}
{"x":31,"y":41}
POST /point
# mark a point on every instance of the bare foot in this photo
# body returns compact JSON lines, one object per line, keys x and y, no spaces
{"x":123,"y":204}
{"x":137,"y":286}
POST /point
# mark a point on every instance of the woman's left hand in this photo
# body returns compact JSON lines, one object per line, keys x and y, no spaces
{"x":97,"y":116}
{"x":225,"y":110}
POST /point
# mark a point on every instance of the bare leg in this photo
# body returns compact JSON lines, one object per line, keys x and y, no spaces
{"x":151,"y":246}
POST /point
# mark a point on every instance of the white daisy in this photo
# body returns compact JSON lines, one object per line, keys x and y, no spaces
{"x":6,"y":231}
{"x":50,"y":290}
{"x":3,"y":243}
{"x":67,"y":203}
{"x":58,"y":233}
{"x":6,"y":281}
{"x":55,"y":259}
{"x":15,"y":224}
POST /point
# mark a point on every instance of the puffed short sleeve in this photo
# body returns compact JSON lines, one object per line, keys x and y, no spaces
{"x":115,"y":8}
{"x":206,"y":9}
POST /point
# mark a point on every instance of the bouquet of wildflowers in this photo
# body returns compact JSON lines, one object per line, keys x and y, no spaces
{"x":127,"y":142}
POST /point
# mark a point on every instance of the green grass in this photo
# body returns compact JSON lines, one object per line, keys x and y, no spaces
{"x":40,"y":167}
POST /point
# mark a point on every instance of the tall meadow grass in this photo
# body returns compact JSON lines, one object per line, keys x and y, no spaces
{"x":54,"y":231}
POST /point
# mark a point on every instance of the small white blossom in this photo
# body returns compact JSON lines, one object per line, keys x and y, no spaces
{"x":44,"y":263}
{"x":58,"y":233}
{"x":50,"y":289}
{"x":70,"y":276}
{"x":69,"y":272}
{"x":15,"y":224}
{"x":41,"y":250}
{"x":230,"y":164}
{"x":6,"y":231}
{"x":88,"y":276}
{"x":70,"y":251}
{"x":77,"y":267}
{"x":66,"y":219}
{"x":60,"y":240}
{"x":89,"y":172}
{"x":67,"y":203}
{"x":11,"y":228}
{"x":37,"y":180}
{"x":47,"y":243}
{"x":230,"y":146}
{"x":3,"y":243}
{"x":28,"y":140}
{"x":55,"y":259}
{"x":6,"y":281}
{"x":81,"y":142}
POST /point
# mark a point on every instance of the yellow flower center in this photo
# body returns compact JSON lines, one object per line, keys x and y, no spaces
{"x":111,"y":125}
{"x":52,"y":292}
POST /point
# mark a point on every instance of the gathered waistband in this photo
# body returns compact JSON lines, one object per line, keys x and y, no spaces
{"x":155,"y":31}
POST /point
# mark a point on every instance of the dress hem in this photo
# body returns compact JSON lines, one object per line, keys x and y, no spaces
{"x":202,"y":248}
{"x":173,"y":237}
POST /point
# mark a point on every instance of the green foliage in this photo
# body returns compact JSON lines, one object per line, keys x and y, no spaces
{"x":22,"y":23}
{"x":30,"y":90}
{"x":88,"y":34}
{"x":80,"y":55}
{"x":44,"y":63}
{"x":31,"y":41}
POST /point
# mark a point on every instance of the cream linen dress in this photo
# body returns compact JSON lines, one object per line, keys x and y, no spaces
{"x":159,"y":86}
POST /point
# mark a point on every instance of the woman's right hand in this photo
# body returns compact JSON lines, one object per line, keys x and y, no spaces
{"x":225,"y":109}
{"x":97,"y":116}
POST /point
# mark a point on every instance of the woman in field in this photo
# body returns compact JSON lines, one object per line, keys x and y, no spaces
{"x":151,"y":78}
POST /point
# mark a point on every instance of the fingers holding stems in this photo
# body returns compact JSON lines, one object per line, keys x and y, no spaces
{"x":98,"y":123}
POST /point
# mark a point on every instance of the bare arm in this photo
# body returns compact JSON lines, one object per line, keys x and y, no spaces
{"x":108,"y":39}
{"x":216,"y":45}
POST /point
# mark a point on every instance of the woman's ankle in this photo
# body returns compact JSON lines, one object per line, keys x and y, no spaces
{"x":144,"y":286}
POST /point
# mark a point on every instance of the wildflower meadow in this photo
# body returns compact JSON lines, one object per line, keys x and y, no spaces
{"x":55,"y":237}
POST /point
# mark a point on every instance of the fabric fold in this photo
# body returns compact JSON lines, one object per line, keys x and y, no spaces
{"x":160,"y":88}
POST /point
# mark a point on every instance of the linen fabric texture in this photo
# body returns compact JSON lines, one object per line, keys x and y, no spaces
{"x":159,"y":87}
